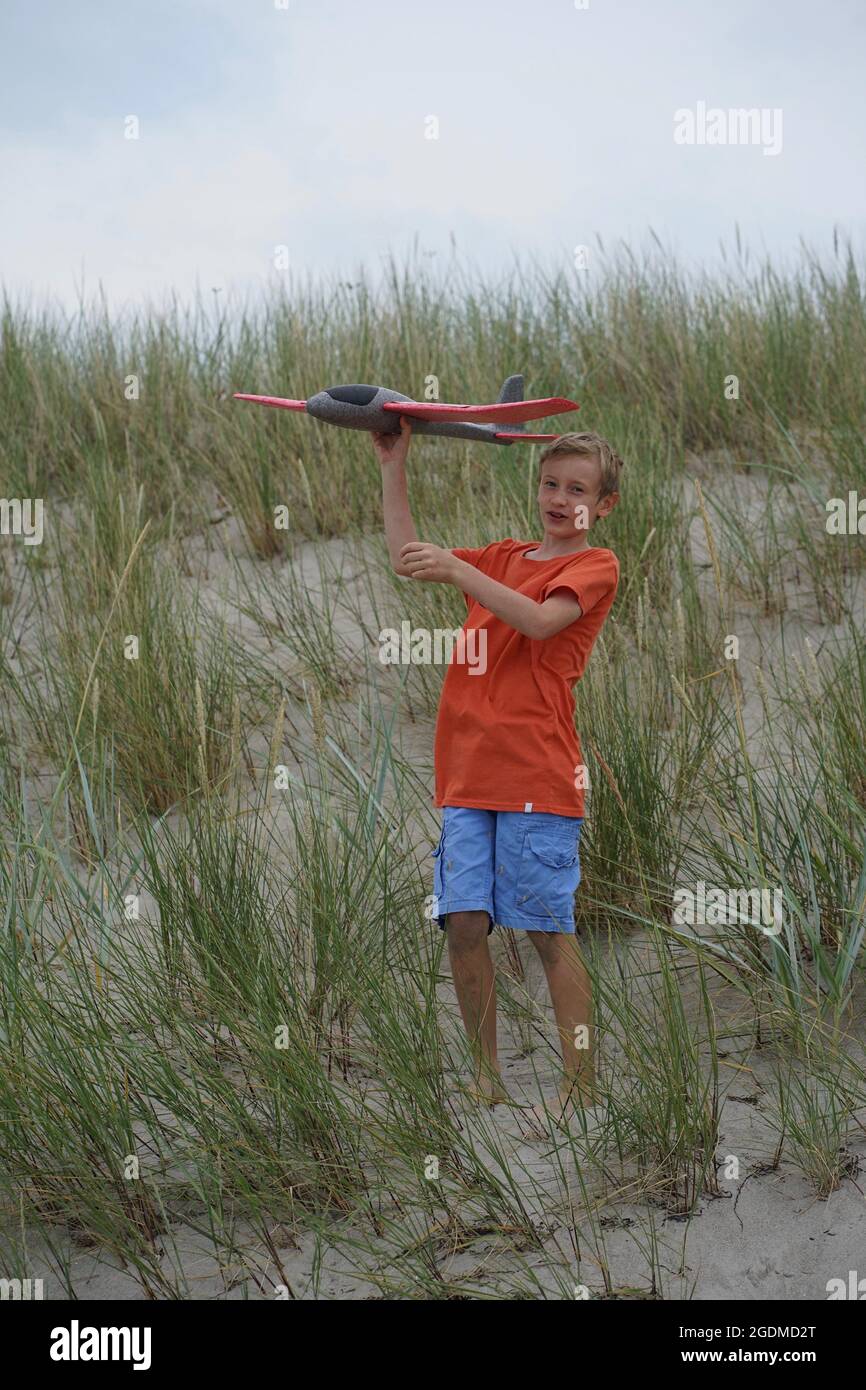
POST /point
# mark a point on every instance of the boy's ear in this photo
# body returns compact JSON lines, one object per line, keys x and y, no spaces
{"x":607,"y":504}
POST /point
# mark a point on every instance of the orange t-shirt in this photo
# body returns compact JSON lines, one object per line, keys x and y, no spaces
{"x":505,"y":736}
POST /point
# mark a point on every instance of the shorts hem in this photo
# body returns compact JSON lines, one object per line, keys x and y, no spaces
{"x":465,"y":905}
{"x":535,"y":924}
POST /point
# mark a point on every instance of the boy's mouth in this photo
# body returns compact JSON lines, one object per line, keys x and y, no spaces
{"x":558,"y":516}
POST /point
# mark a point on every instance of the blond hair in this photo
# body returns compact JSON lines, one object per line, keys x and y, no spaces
{"x":588,"y":445}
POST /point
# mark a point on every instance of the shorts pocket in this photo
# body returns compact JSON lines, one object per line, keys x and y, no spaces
{"x":548,"y":874}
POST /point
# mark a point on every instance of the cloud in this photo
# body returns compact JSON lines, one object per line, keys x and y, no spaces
{"x":306,"y":127}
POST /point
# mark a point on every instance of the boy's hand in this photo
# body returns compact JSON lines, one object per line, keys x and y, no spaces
{"x":393,"y":448}
{"x":431,"y":562}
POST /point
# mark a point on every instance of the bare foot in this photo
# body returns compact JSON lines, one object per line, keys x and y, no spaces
{"x":542,"y":1119}
{"x":488,"y":1091}
{"x":578,"y":1093}
{"x":536,"y":1120}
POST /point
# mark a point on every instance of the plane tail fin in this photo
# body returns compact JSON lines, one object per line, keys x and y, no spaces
{"x":512,"y":390}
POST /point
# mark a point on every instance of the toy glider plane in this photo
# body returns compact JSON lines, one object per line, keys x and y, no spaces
{"x":378,"y":408}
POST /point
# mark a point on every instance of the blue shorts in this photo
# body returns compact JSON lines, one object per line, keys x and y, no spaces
{"x":520,"y":867}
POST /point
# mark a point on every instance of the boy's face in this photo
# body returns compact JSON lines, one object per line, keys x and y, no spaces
{"x":568,"y":495}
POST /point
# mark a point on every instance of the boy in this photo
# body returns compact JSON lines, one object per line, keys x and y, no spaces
{"x":508,"y":764}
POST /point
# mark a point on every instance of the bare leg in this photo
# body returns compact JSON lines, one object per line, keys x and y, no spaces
{"x":475,"y":986}
{"x":571,"y":995}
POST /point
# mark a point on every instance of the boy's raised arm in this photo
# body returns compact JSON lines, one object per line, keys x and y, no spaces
{"x":391,"y":451}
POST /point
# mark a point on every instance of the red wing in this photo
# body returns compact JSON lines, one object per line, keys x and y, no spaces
{"x":506,"y":412}
{"x":271,"y":400}
{"x":522,"y":434}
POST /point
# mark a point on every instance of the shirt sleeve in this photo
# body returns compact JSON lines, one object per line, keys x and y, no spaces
{"x":589,"y":581}
{"x":479,"y":557}
{"x":474,"y":556}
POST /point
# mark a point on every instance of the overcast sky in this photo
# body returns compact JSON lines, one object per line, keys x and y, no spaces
{"x":306,"y":127}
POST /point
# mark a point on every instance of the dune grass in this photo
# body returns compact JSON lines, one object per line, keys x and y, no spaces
{"x":227,"y":1023}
